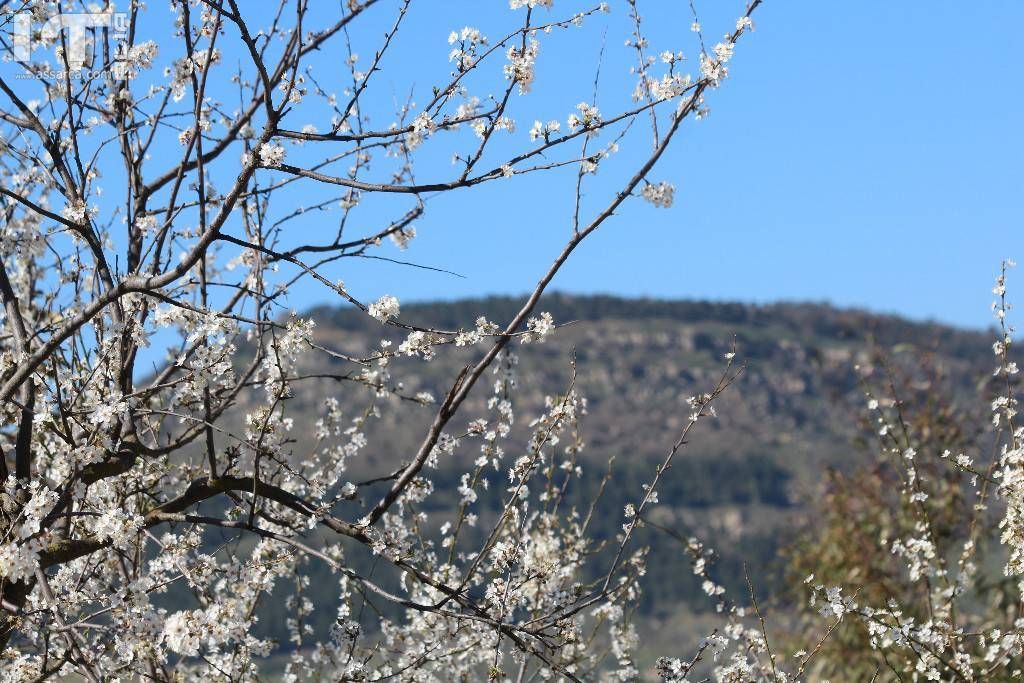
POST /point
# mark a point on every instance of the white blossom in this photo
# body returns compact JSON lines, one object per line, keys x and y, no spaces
{"x":661,"y":194}
{"x":271,"y":155}
{"x":384,"y":308}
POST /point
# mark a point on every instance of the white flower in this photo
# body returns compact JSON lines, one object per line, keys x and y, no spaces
{"x":542,"y":130}
{"x":308,"y":129}
{"x":520,"y":65}
{"x":661,"y":195}
{"x":105,"y":413}
{"x":589,"y":117}
{"x":670,"y":85}
{"x":271,"y":155}
{"x":384,"y":308}
{"x":537,"y":329}
{"x":714,"y":69}
{"x":402,"y":237}
{"x":516,"y":4}
{"x":418,"y":343}
{"x":180,"y":633}
{"x":141,"y":56}
{"x":74,"y":211}
{"x":117,"y":526}
{"x":465,"y":55}
{"x":464,"y":338}
{"x":18,"y":562}
{"x":723,"y":51}
{"x":422,"y":127}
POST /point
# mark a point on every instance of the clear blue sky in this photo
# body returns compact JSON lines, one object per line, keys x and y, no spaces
{"x":868,"y":154}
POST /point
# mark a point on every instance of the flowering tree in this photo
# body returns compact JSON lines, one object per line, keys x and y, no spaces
{"x":916,"y":563}
{"x":157,"y":179}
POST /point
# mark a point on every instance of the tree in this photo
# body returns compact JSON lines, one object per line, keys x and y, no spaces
{"x":171,"y":207}
{"x":926,"y":542}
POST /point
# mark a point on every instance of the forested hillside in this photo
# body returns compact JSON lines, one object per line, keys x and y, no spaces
{"x":746,"y":479}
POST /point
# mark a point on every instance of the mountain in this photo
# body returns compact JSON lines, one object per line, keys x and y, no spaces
{"x":744,"y":480}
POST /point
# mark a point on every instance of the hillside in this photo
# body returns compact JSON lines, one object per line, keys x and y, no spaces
{"x":743,"y":481}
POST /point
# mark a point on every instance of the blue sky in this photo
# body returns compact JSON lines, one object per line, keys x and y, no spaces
{"x":868,"y":154}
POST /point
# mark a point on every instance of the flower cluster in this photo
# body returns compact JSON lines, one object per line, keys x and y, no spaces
{"x":660,"y":194}
{"x":537,"y":329}
{"x":520,"y":65}
{"x":271,"y":155}
{"x":588,"y":117}
{"x":384,"y":309}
